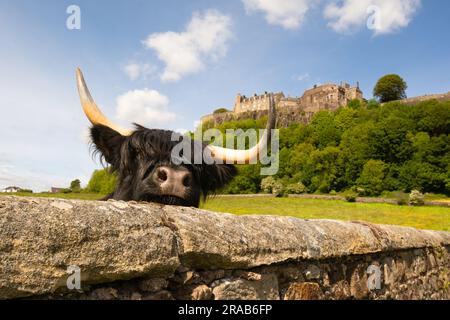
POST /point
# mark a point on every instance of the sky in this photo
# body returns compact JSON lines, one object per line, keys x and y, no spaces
{"x":164,"y":64}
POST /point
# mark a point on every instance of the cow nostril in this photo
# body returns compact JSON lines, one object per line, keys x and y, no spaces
{"x":162,"y":175}
{"x":187,"y":181}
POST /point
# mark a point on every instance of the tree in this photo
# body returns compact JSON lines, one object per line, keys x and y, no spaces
{"x":371,"y":148}
{"x":221,"y":110}
{"x":372,"y":177}
{"x":75,"y":185}
{"x":390,"y":88}
{"x":102,"y":181}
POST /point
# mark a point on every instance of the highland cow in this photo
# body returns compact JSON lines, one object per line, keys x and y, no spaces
{"x":142,"y":159}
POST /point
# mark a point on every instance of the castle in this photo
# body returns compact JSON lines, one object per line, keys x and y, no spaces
{"x":324,"y":97}
{"x":301,"y":109}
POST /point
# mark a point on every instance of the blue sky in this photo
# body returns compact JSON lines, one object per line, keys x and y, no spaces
{"x":167,"y":63}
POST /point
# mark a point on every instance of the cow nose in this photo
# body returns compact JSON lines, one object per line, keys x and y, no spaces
{"x":173,"y":181}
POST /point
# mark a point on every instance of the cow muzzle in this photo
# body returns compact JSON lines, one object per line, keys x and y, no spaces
{"x":173,"y":182}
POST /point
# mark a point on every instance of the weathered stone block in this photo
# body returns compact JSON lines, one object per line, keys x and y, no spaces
{"x":303,"y":291}
{"x":240,"y":289}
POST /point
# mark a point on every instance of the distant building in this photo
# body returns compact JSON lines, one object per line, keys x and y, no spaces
{"x":330,"y":96}
{"x":324,"y":97}
{"x":56,"y":190}
{"x":11,"y":190}
{"x":300,"y":109}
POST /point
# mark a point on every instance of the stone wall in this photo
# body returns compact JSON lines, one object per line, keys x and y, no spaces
{"x":329,"y":97}
{"x":256,"y":103}
{"x":149,"y":251}
{"x":416,"y":100}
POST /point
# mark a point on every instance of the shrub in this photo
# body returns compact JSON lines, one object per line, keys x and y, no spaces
{"x":295,"y":188}
{"x":267,"y":184}
{"x":278,"y":189}
{"x":333,"y":193}
{"x":361,"y":191}
{"x":416,"y":198}
{"x":401,"y":198}
{"x":26,"y":190}
{"x":66,"y":190}
{"x":350,"y":196}
{"x":272,"y":186}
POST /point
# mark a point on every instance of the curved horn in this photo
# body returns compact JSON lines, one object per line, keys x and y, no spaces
{"x":93,"y":113}
{"x":250,"y":155}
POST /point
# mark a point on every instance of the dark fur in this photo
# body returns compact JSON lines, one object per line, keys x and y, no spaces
{"x":135,"y":158}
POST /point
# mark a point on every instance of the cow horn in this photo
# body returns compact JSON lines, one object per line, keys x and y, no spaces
{"x":247,"y":156}
{"x":91,"y":110}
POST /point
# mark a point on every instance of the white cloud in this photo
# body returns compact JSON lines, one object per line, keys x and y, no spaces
{"x":383,"y":16}
{"x":205,"y":38}
{"x":286,"y":13}
{"x":10,"y":175}
{"x":302,"y":77}
{"x":135,"y":70}
{"x":145,"y":107}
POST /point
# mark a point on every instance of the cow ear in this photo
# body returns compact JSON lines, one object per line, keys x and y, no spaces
{"x":108,"y":142}
{"x":217,"y":176}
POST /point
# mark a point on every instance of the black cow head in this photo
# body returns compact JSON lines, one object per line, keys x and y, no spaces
{"x":142,"y":160}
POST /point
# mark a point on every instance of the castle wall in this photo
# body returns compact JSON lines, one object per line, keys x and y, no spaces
{"x":325,"y":97}
{"x":255,"y":103}
{"x":329,"y":97}
{"x":419,"y":99}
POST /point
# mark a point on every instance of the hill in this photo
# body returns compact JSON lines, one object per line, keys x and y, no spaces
{"x":369,"y":148}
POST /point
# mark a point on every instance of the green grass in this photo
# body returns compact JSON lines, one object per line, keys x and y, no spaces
{"x":431,"y":218}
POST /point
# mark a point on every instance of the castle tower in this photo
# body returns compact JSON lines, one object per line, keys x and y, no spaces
{"x":237,"y":103}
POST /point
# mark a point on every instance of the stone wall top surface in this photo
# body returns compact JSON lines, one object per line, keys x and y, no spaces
{"x":41,"y":237}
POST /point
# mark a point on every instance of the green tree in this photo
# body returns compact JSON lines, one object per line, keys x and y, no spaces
{"x":354,"y":104}
{"x":75,"y":185}
{"x":325,"y":131}
{"x":326,"y":169}
{"x":372,"y":177}
{"x":389,"y":88}
{"x":221,"y":110}
{"x":389,"y":147}
{"x":102,"y":181}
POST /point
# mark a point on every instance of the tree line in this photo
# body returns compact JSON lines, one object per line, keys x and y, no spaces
{"x":365,"y":147}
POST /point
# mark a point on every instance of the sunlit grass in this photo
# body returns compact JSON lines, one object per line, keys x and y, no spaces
{"x":432,"y":218}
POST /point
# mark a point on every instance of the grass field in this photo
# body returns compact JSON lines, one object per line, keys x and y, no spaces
{"x":432,"y":218}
